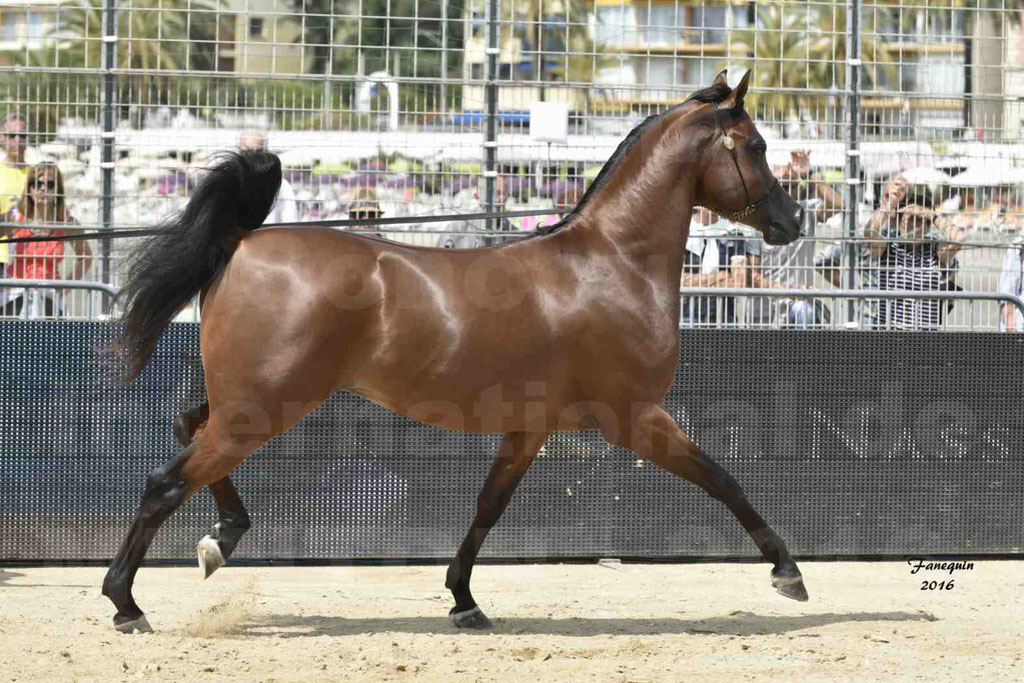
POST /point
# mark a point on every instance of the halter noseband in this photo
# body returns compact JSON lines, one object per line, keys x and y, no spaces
{"x":750,"y":208}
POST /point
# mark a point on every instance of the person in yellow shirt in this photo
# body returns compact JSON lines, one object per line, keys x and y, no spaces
{"x":13,"y":171}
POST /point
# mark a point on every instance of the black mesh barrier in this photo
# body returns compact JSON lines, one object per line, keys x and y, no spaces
{"x":847,"y":442}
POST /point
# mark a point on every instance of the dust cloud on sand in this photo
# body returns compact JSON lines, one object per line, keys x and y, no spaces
{"x":865,"y":621}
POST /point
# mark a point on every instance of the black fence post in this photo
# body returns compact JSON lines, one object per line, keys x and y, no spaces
{"x":108,"y":64}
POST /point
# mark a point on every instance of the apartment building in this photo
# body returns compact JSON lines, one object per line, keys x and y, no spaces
{"x":927,"y":68}
{"x":26,"y":24}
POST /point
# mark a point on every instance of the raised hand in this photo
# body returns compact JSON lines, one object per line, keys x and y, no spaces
{"x":894,"y":192}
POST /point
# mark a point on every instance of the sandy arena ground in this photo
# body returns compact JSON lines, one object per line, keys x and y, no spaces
{"x":865,"y":621}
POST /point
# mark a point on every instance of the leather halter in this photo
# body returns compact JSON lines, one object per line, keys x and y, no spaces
{"x":751,"y":207}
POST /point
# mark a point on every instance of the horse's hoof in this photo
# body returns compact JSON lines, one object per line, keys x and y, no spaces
{"x":139,"y":624}
{"x":210,"y":557}
{"x":471,"y":618}
{"x":790,"y":586}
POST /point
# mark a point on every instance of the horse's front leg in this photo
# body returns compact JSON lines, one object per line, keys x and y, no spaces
{"x":655,"y":436}
{"x":514,"y":456}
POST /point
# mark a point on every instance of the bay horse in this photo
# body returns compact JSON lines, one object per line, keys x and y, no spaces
{"x":573,"y":327}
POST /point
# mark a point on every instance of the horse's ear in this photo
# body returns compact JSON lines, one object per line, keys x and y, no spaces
{"x":722,"y":77}
{"x":735,"y":99}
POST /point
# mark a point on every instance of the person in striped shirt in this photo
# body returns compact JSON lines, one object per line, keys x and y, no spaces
{"x":921,"y":257}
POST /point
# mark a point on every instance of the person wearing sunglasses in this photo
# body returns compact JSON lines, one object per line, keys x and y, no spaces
{"x":13,"y":170}
{"x":920,"y":254}
{"x":364,"y":206}
{"x":43,"y":211}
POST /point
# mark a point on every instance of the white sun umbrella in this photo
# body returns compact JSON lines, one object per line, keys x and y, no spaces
{"x":305,"y":157}
{"x":926,"y":175}
{"x":992,"y":173}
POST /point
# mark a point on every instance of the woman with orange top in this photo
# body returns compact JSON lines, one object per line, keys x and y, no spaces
{"x":42,"y":209}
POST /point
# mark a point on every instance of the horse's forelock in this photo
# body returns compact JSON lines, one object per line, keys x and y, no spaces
{"x":713,"y":94}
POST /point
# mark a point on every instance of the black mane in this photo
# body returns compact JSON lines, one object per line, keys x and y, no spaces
{"x":716,"y":94}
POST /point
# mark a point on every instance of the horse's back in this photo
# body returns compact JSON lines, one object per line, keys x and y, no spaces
{"x":405,"y":325}
{"x":290,"y":304}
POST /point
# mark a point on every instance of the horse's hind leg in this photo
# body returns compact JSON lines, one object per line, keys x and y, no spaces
{"x":186,"y":423}
{"x":166,"y":489}
{"x":514,"y":456}
{"x":207,"y":460}
{"x":215,"y":548}
{"x":234,"y":430}
{"x":656,"y":436}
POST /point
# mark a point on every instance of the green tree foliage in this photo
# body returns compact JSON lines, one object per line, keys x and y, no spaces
{"x":151,"y":34}
{"x":383,"y":27}
{"x":799,"y":48}
{"x":388,"y":35}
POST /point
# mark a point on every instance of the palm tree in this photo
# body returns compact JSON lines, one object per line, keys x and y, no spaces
{"x":315,"y":18}
{"x":565,"y":50}
{"x":152,"y":34}
{"x":797,"y":48}
{"x":778,"y":43}
{"x":382,"y":24}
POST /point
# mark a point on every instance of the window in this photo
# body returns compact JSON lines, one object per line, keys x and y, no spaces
{"x":661,"y":24}
{"x":9,"y":27}
{"x":940,"y":76}
{"x":477,"y":24}
{"x":943,"y":26}
{"x":616,"y":25}
{"x":522,"y":30}
{"x":553,"y":33}
{"x":659,"y":71}
{"x":255,"y":27}
{"x":933,"y":75}
{"x":36,"y":26}
{"x":921,"y":25}
{"x":708,"y":24}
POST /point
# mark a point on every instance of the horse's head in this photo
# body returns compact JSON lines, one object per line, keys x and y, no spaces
{"x":736,"y":181}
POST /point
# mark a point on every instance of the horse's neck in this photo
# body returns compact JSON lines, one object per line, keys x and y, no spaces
{"x":646,"y":220}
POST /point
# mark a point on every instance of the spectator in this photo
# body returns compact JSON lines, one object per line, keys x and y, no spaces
{"x":882,"y":226}
{"x":916,"y":261}
{"x":286,"y":207}
{"x":13,"y":171}
{"x":364,"y":206}
{"x":568,"y":198}
{"x":43,"y":203}
{"x":1003,"y":213}
{"x":1010,"y":282}
{"x":471,"y":241}
{"x":711,"y":262}
{"x":802,"y":185}
{"x":789,"y":266}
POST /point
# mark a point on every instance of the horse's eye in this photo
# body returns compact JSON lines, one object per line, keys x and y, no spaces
{"x":759,"y":147}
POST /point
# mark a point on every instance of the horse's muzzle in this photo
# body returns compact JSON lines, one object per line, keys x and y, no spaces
{"x":783,"y":234}
{"x":786,"y":218}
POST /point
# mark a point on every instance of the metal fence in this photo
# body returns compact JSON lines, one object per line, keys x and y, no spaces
{"x":424,"y":107}
{"x":848,"y":444}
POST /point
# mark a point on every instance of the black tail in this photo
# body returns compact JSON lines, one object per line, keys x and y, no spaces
{"x":168,"y":269}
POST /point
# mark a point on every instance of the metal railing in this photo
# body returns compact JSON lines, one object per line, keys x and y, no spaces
{"x":782,"y":296}
{"x":691,"y":296}
{"x":89,"y":311}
